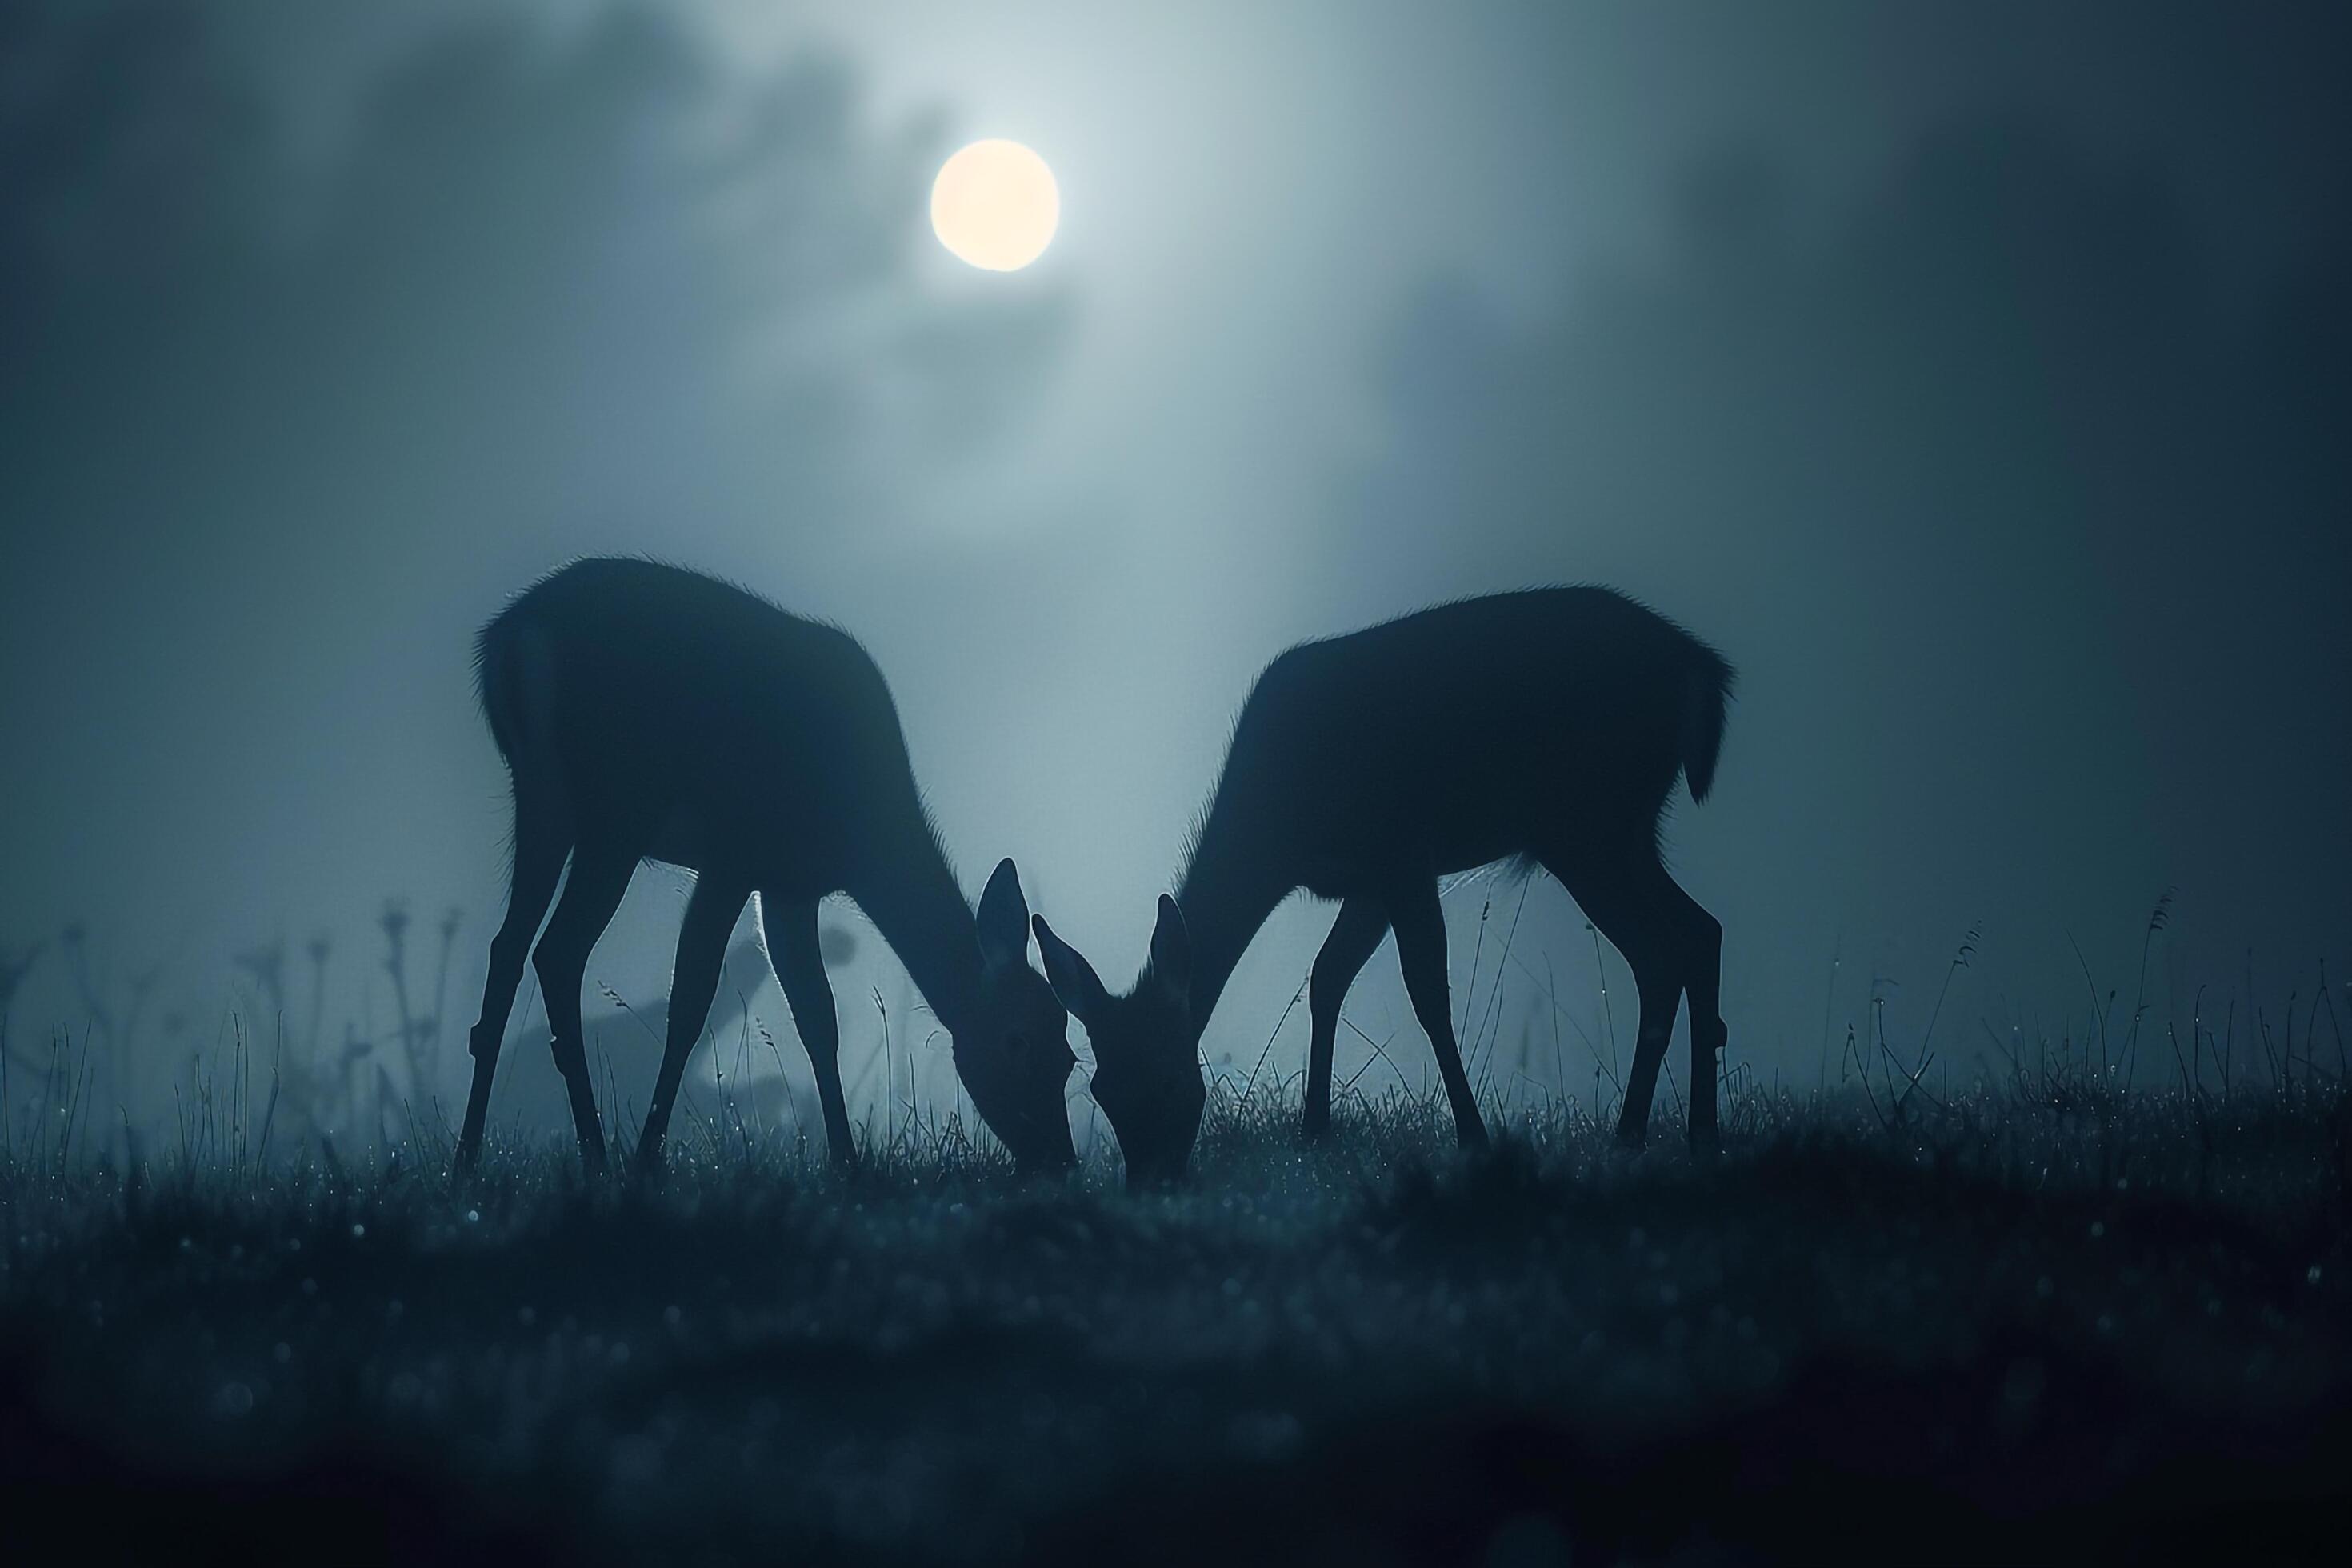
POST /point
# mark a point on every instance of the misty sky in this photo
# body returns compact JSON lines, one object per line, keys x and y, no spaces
{"x":1976,"y":376}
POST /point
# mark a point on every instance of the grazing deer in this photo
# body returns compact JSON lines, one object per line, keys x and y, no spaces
{"x":1546,"y":726}
{"x":649,"y":713}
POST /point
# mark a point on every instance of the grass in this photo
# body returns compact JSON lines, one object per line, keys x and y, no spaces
{"x":2020,"y":1318}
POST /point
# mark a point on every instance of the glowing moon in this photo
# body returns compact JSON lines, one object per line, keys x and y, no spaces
{"x":995,"y":206}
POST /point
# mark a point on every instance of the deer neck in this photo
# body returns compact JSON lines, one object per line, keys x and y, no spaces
{"x":911,"y":894}
{"x":1232,"y":885}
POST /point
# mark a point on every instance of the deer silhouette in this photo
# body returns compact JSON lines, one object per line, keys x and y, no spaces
{"x":647,"y":712}
{"x":1545,"y":727}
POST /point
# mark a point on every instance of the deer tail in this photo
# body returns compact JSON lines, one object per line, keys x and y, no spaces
{"x":1707,"y":693}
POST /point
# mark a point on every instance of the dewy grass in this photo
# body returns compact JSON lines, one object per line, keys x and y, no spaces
{"x":2025,"y":1309}
{"x":2021,"y":1306}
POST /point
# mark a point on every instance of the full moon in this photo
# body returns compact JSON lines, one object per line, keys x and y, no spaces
{"x":995,"y":206}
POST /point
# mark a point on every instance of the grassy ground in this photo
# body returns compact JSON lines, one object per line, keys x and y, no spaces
{"x":2101,"y":1326}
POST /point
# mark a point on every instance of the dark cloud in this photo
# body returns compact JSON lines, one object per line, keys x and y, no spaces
{"x":2027,"y":533}
{"x":282,"y":423}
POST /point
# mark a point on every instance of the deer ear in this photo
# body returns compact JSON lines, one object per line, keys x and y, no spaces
{"x":1004,"y":920}
{"x":1172,"y":949}
{"x":1072,"y":977}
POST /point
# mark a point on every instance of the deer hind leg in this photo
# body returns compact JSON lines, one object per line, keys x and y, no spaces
{"x":800,"y":969}
{"x":701,"y":953}
{"x":1354,"y":935}
{"x":1698,"y":938}
{"x":1613,"y":896}
{"x":599,"y":877}
{"x":1420,"y":925}
{"x":542,"y":839}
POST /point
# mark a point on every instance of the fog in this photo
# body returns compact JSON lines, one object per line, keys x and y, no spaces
{"x":1975,"y":377}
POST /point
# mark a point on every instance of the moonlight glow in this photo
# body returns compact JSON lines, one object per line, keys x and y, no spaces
{"x":995,"y":206}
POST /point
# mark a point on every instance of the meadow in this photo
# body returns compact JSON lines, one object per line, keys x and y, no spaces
{"x":2033,"y":1317}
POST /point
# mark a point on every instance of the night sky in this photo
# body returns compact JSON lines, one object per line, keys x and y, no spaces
{"x":1977,"y":377}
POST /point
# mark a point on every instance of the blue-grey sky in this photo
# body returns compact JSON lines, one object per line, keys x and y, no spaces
{"x":1974,"y":376}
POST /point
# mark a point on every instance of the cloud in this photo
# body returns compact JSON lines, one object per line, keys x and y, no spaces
{"x":283,"y":421}
{"x":2025,"y":530}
